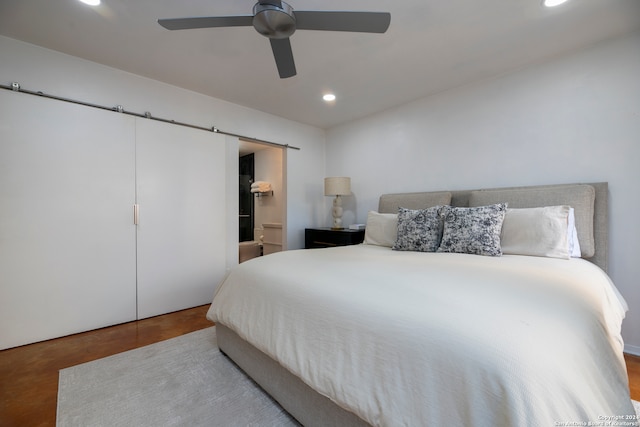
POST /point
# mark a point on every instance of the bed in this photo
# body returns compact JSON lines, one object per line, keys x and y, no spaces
{"x":405,"y":331}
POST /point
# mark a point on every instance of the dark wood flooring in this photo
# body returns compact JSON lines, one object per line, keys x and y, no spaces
{"x":29,"y":374}
{"x":633,"y":369}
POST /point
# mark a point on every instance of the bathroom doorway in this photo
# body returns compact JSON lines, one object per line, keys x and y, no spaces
{"x":246,"y":205}
{"x":262,"y":197}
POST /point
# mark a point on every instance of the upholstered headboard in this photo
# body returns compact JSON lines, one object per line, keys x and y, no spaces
{"x":590,"y":202}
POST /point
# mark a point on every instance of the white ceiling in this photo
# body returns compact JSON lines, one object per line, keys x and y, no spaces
{"x":429,"y":47}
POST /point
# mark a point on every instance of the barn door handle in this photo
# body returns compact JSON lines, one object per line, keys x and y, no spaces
{"x":136,"y":214}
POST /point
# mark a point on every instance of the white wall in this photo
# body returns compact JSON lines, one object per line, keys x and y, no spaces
{"x":573,"y":119}
{"x":51,"y":72}
{"x":268,"y":167}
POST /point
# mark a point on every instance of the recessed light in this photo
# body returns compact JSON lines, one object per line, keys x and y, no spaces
{"x":91,"y":2}
{"x":553,"y":3}
{"x":329,"y":97}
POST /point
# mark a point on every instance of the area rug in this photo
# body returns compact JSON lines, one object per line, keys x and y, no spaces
{"x":184,"y":381}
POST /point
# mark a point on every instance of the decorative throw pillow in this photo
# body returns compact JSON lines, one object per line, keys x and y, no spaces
{"x":473,"y":230}
{"x":419,"y":229}
{"x":381,"y":230}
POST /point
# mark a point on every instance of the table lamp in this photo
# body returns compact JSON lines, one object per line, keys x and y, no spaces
{"x":337,"y":186}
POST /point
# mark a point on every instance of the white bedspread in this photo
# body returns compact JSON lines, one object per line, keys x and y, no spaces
{"x":436,"y":339}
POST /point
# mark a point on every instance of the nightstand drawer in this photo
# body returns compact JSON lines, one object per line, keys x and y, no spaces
{"x":326,"y":237}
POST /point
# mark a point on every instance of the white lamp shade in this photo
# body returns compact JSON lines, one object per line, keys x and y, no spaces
{"x":337,"y":186}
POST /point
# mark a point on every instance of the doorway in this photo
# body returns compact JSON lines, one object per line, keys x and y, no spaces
{"x":246,"y":198}
{"x":262,"y":214}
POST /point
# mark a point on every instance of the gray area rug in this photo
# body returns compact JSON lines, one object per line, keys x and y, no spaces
{"x":184,"y":381}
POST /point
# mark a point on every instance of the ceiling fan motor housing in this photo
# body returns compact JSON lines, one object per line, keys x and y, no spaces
{"x":274,"y":21}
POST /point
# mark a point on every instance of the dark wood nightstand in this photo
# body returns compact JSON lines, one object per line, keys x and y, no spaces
{"x":326,"y":237}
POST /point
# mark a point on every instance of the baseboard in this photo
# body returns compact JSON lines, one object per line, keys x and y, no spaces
{"x":632,"y":349}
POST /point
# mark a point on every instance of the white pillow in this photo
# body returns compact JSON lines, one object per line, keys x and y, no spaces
{"x":382,"y":229}
{"x":572,"y":235}
{"x":537,"y":232}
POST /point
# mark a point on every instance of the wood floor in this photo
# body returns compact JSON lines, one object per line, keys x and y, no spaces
{"x":29,"y":374}
{"x":633,"y":369}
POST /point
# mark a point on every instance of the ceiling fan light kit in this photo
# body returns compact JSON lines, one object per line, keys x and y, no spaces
{"x":277,"y":21}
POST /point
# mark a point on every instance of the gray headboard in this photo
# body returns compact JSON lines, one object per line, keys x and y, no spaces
{"x":590,"y":202}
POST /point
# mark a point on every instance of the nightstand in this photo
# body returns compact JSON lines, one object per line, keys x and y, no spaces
{"x":326,"y":237}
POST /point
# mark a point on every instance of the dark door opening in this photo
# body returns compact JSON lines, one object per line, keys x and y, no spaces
{"x":247,"y":171}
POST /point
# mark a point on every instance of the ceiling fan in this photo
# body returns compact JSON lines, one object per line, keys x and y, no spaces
{"x":277,"y":20}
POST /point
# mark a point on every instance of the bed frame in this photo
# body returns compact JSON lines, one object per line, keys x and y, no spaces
{"x":312,"y":409}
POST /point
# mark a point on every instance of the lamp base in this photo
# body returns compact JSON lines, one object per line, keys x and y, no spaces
{"x":337,"y":213}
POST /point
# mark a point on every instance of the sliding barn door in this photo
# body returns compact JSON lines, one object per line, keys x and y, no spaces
{"x":181,"y":194}
{"x":67,"y":239}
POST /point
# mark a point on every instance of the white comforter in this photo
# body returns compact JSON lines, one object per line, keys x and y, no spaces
{"x":435,"y":339}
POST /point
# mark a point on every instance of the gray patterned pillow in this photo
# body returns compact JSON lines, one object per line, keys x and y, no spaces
{"x":419,"y":229}
{"x":473,"y":230}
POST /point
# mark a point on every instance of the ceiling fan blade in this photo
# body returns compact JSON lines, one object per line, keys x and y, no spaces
{"x":284,"y":57}
{"x":364,"y":22}
{"x":206,"y":22}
